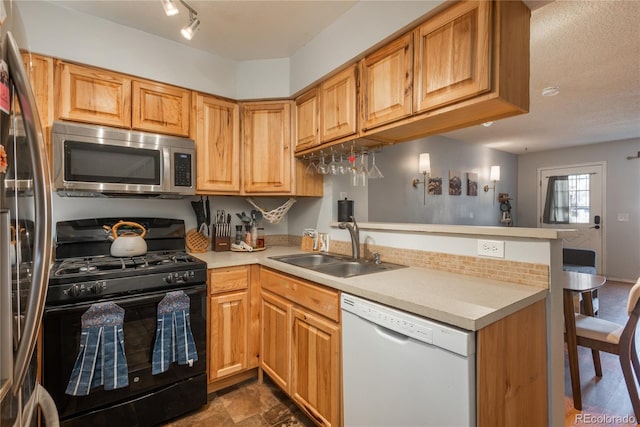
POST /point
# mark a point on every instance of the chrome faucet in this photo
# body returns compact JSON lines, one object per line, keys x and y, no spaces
{"x":354,"y":231}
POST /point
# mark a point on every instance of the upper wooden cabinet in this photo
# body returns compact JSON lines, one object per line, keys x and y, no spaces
{"x":453,"y":55}
{"x":160,"y":108}
{"x":40,"y":71}
{"x":471,"y":65}
{"x":386,"y":81}
{"x":268,"y":158}
{"x":216,"y":130}
{"x":307,"y":120}
{"x":92,"y":95}
{"x":338,"y":105}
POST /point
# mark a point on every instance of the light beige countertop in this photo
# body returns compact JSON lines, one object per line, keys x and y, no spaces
{"x":467,"y":302}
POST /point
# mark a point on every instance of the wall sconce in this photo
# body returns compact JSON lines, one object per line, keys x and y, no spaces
{"x":494,"y":175}
{"x":424,"y":167}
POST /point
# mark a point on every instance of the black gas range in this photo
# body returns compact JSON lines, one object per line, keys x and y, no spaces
{"x":85,"y":276}
{"x":85,"y":271}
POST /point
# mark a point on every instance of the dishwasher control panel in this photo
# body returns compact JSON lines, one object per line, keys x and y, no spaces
{"x":410,"y":325}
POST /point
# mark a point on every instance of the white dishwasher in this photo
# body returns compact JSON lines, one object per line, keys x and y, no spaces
{"x":403,"y":370}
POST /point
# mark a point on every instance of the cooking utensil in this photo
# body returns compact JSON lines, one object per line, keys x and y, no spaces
{"x":198,"y":208}
{"x":208,"y":216}
{"x":129,"y":243}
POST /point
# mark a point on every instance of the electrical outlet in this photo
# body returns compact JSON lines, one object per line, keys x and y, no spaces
{"x":491,"y":248}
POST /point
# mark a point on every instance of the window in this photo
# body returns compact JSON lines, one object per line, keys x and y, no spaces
{"x":567,"y":200}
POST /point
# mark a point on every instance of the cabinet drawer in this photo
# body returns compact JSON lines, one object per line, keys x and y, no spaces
{"x":322,"y":300}
{"x":228,"y":279}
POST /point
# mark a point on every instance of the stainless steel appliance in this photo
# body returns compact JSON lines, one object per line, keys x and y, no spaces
{"x":25,"y":242}
{"x":92,"y":160}
{"x":404,"y":370}
{"x":84,"y":274}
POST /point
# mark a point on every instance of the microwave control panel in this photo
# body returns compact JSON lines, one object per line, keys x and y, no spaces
{"x":182,"y":173}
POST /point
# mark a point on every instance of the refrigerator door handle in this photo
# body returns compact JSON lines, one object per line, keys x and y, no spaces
{"x":42,"y":247}
{"x":6,"y":332}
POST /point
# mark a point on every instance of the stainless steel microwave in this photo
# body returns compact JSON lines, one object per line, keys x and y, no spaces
{"x":90,"y":160}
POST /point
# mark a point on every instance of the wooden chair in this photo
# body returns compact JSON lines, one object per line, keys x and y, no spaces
{"x":603,"y":335}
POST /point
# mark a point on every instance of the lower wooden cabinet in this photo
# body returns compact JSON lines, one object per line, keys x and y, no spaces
{"x":315,"y":366}
{"x":233,"y":321}
{"x":300,"y":347}
{"x":275,"y":344}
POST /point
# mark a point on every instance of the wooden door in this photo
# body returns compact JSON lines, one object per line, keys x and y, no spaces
{"x":228,"y":343}
{"x":338,"y":105}
{"x":307,"y":120}
{"x":160,"y":108}
{"x":267,"y":152}
{"x":217,"y":136}
{"x":386,"y":81}
{"x":315,"y":367}
{"x":92,"y":95}
{"x":275,"y":341}
{"x":452,"y":58}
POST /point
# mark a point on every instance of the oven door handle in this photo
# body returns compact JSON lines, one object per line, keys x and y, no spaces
{"x":190,"y":291}
{"x":42,"y":247}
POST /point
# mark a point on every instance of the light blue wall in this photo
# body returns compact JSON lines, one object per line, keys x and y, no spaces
{"x":394,"y":199}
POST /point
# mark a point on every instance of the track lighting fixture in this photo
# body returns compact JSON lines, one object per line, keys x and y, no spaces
{"x":171,"y":9}
{"x":189,"y":30}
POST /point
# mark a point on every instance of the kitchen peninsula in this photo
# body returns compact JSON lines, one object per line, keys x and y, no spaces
{"x":448,"y":281}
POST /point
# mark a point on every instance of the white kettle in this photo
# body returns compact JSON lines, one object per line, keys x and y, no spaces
{"x":129,"y":243}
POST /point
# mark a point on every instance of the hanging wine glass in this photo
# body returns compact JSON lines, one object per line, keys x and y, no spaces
{"x":342,"y":168}
{"x":322,"y":167}
{"x":361,"y":175}
{"x":333,"y":166}
{"x":374,"y":171}
{"x":312,"y":168}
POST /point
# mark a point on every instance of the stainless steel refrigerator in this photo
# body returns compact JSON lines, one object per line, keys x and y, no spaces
{"x":25,"y":242}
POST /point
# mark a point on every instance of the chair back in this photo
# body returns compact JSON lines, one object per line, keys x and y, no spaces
{"x":634,"y":295}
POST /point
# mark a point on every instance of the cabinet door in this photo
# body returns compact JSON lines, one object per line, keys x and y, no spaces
{"x":307,"y":120}
{"x":267,"y":147}
{"x":217,"y":136}
{"x":40,"y":71}
{"x":338,"y":105}
{"x":228,"y":343}
{"x":386,"y":81}
{"x":275,"y":341}
{"x":315,"y":367}
{"x":453,"y":55}
{"x":160,"y":108}
{"x":93,"y":96}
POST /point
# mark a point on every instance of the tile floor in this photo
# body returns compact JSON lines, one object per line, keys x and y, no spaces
{"x":248,"y":404}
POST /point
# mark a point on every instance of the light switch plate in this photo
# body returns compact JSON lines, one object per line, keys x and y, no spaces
{"x":491,"y":248}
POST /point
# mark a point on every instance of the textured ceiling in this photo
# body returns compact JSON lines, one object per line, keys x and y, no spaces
{"x":589,"y":48}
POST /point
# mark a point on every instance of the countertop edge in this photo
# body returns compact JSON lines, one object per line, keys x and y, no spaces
{"x":469,"y":230}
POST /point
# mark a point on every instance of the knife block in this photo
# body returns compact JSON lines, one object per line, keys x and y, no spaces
{"x":220,"y":243}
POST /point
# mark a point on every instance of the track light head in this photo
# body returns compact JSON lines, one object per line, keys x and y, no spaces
{"x":170,"y":8}
{"x":189,"y":30}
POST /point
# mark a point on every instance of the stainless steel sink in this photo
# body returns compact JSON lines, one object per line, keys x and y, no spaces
{"x":310,"y":260}
{"x":336,"y":265}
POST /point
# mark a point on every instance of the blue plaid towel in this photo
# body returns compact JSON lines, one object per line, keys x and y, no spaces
{"x":101,"y":359}
{"x":174,"y":340}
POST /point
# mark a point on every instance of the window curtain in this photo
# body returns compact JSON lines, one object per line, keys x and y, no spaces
{"x":556,"y":205}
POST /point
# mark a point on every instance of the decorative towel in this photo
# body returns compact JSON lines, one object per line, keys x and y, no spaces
{"x":174,"y":340}
{"x":101,"y":359}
